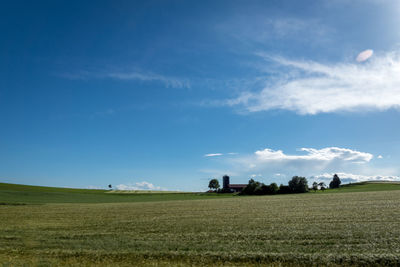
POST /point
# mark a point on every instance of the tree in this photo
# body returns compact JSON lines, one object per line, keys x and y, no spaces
{"x":335,"y":183}
{"x":322,"y":185}
{"x":284,"y":189}
{"x":298,"y":184}
{"x":110,"y":186}
{"x":253,"y":187}
{"x":315,"y":186}
{"x":273,"y":188}
{"x":262,"y":190}
{"x":213,"y":184}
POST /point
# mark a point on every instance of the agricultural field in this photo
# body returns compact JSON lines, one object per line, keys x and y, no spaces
{"x":331,"y":228}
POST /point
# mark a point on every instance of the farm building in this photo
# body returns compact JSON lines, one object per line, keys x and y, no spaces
{"x":227,"y":186}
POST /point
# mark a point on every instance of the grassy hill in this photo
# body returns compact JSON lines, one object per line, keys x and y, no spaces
{"x":27,"y":194}
{"x":366,"y":187}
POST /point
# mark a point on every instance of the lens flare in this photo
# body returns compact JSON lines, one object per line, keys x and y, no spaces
{"x":364,"y":55}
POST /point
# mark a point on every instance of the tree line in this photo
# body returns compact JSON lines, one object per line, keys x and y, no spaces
{"x":297,"y":184}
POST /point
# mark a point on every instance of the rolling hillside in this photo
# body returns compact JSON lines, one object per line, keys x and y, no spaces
{"x":367,"y":187}
{"x":27,"y":194}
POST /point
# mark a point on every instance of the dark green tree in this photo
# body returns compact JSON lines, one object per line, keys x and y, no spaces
{"x":335,"y":183}
{"x":252,"y":188}
{"x":284,"y":189}
{"x":273,"y":188}
{"x":262,"y":190}
{"x":213,"y":184}
{"x":298,"y":184}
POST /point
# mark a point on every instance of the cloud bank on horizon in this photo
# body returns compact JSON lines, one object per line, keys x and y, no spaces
{"x":353,"y":178}
{"x":316,"y":164}
{"x":140,"y":186}
{"x":309,"y":87}
{"x":311,"y":160}
{"x":324,"y":154}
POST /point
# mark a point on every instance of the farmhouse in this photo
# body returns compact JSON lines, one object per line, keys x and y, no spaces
{"x":227,"y":186}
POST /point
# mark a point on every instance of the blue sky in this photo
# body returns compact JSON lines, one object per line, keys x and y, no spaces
{"x":168,"y":94}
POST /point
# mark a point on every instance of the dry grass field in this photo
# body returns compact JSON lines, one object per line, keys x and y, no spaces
{"x":356,"y":228}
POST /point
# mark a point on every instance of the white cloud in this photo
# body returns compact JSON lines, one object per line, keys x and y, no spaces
{"x":139,"y":186}
{"x":306,"y":162}
{"x":213,"y":155}
{"x":380,"y":157}
{"x":308,"y":87}
{"x":353,"y":178}
{"x":325,"y":154}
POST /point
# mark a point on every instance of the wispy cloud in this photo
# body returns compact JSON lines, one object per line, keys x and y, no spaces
{"x":221,"y":154}
{"x":141,"y":76}
{"x":106,"y":112}
{"x":342,"y":3}
{"x":148,"y":77}
{"x":139,"y":186}
{"x":259,"y":28}
{"x":213,"y":155}
{"x":309,"y":87}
